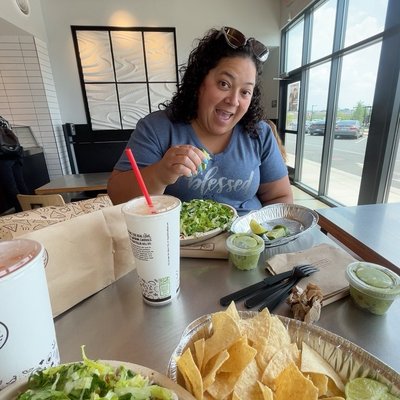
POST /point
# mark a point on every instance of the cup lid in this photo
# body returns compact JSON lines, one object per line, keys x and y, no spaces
{"x":16,"y":253}
{"x":245,"y":243}
{"x":373,"y":279}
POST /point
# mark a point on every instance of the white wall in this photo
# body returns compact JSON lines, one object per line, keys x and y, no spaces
{"x":32,"y":23}
{"x":50,"y":21}
{"x":191,"y":18}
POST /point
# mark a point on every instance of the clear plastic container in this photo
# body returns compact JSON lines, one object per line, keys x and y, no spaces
{"x":372,"y":286}
{"x":244,"y":250}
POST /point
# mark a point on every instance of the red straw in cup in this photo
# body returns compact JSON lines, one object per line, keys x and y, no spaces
{"x":140,"y":180}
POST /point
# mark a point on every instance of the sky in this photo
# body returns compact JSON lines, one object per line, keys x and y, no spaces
{"x":365,"y":18}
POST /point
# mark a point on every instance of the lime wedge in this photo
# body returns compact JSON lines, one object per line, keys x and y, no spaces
{"x":364,"y":389}
{"x":257,"y":228}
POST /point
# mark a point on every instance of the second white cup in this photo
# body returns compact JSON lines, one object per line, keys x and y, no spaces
{"x":154,"y":238}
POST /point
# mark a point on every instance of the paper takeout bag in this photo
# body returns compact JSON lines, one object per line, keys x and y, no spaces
{"x":84,"y":255}
{"x":211,"y":248}
{"x":332,"y":263}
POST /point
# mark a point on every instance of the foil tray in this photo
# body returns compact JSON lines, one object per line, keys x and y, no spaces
{"x":298,"y":219}
{"x":346,"y":358}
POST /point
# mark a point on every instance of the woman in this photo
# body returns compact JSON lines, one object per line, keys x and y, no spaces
{"x":217,"y":109}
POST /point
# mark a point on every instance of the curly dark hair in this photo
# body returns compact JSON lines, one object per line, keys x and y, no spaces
{"x":206,"y":56}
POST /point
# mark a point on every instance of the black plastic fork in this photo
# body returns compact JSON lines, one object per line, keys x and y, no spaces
{"x":264,"y":295}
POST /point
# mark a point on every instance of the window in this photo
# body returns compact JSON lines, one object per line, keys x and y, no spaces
{"x":347,"y":73}
{"x":125,"y":73}
{"x":294,"y":45}
{"x":323,"y":28}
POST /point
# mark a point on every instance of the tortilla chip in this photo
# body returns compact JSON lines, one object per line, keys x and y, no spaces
{"x":225,"y":332}
{"x":199,"y":347}
{"x":257,"y":327}
{"x":188,"y":368}
{"x":292,"y":384}
{"x":240,"y":355}
{"x":247,"y":386}
{"x":278,"y":335}
{"x":223,"y":385}
{"x":311,"y":361}
{"x":320,"y":381}
{"x":267,"y":393}
{"x":212,"y":367}
{"x":333,"y":390}
{"x":265,"y":352}
{"x":279,"y":362}
{"x":334,"y":398}
{"x":233,"y":312}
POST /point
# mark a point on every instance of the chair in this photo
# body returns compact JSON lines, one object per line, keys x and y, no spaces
{"x":32,"y":201}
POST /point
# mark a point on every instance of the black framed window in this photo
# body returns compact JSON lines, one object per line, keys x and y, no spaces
{"x":341,"y":134}
{"x":125,"y":73}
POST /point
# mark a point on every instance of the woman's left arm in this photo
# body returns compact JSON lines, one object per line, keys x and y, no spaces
{"x":278,"y":191}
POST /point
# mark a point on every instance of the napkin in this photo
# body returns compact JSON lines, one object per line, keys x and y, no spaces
{"x":210,"y":248}
{"x":332,"y":263}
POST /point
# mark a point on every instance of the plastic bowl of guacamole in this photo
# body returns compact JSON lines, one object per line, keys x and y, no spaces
{"x":372,"y":287}
{"x":244,"y":250}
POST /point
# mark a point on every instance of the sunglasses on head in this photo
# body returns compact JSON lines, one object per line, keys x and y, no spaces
{"x":236,"y":39}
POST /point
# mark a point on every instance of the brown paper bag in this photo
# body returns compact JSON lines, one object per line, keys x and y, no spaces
{"x":212,"y":248}
{"x":85,"y":254}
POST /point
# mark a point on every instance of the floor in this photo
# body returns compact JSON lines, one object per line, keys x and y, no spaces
{"x":304,"y":199}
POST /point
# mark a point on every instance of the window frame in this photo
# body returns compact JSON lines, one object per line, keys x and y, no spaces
{"x":147,"y":82}
{"x":379,"y":154}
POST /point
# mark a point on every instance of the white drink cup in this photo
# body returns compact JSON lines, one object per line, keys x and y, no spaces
{"x":27,"y":335}
{"x":154,"y":237}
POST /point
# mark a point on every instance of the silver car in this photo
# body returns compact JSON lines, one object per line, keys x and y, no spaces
{"x":348,"y":128}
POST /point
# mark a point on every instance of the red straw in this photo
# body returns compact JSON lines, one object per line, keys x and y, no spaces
{"x":139,"y":177}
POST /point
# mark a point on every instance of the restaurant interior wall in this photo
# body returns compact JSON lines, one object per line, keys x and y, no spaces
{"x":28,"y":96}
{"x":53,"y":19}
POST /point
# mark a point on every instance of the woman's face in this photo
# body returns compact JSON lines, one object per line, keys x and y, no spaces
{"x":225,"y":95}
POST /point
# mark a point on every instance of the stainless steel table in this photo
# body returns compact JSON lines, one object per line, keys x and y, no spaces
{"x":76,"y":183}
{"x":371,"y":231}
{"x":116,"y":324}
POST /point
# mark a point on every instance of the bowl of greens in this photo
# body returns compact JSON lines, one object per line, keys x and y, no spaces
{"x":95,"y":379}
{"x":204,"y":219}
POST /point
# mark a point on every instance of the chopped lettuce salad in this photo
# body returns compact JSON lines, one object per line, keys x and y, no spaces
{"x":199,"y":216}
{"x":92,"y":380}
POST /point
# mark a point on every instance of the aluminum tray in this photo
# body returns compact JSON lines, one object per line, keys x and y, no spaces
{"x":347,"y":359}
{"x":296,"y":218}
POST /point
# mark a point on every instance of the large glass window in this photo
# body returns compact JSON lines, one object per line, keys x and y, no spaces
{"x":323,"y":28}
{"x":394,"y":189}
{"x":357,"y":87}
{"x":365,"y":18}
{"x":346,"y":78}
{"x":294,"y":45}
{"x":315,"y":124}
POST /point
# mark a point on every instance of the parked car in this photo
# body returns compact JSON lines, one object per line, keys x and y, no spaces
{"x":317,"y":128}
{"x":348,"y":128}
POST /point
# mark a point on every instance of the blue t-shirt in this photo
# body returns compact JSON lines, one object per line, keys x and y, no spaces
{"x":232,"y":176}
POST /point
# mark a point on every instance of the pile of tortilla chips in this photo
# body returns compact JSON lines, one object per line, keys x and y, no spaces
{"x":255,"y":359}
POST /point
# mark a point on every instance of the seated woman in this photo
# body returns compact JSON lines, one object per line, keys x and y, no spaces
{"x":217,"y":108}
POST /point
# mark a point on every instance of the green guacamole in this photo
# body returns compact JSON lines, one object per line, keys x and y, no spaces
{"x":244,"y":250}
{"x":372,"y":287}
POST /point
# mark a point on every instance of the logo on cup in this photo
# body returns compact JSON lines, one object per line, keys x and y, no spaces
{"x":3,"y":335}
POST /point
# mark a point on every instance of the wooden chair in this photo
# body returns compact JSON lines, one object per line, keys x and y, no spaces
{"x":32,"y":201}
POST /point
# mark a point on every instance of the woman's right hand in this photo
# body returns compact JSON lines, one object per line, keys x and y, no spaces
{"x":182,"y":160}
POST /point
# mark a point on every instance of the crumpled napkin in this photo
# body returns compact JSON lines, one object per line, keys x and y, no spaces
{"x":332,"y":262}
